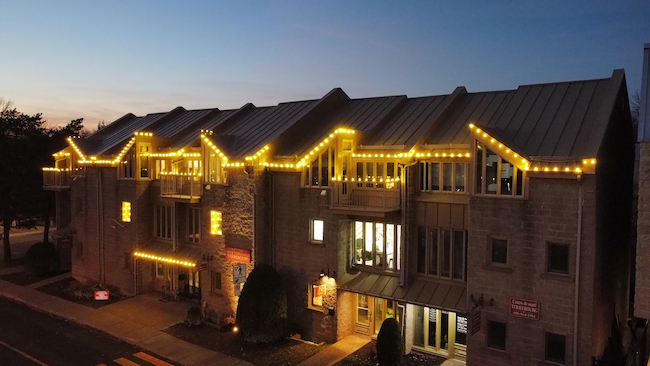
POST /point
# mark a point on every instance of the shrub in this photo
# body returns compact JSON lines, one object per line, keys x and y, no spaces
{"x":42,"y":259}
{"x":262,"y":308}
{"x":389,"y":343}
{"x":194,"y":316}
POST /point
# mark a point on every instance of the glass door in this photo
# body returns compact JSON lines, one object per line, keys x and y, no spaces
{"x":363,"y":315}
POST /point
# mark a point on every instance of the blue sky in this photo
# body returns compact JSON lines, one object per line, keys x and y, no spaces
{"x":101,"y":60}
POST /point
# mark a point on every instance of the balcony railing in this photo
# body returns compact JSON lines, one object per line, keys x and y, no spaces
{"x":181,"y":186}
{"x":366,"y":196}
{"x":55,"y":178}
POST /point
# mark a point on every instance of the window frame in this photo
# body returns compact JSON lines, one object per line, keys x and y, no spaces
{"x":373,"y":253}
{"x":310,"y":297}
{"x":546,"y":348}
{"x":439,"y":236}
{"x":160,"y":222}
{"x":425,"y":176}
{"x":481,"y":176}
{"x":146,"y":158}
{"x":329,"y":151}
{"x":213,"y":281}
{"x":488,"y":343}
{"x":160,"y":265}
{"x":128,"y":166}
{"x":490,"y":252}
{"x":548,"y":268}
{"x":193,"y":228}
{"x":312,"y":231}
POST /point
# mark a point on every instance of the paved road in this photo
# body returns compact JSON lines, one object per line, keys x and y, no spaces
{"x":20,"y":242}
{"x":31,"y":338}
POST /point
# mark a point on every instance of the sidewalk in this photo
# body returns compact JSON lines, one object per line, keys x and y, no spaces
{"x":336,"y":352}
{"x":147,"y":338}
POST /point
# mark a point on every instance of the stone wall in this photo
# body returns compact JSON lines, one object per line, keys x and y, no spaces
{"x":642,"y":294}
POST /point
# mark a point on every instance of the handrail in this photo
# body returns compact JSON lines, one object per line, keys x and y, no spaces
{"x":368,"y":196}
{"x":181,"y":185}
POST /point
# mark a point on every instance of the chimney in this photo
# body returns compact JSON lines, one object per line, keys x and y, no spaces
{"x":644,"y":113}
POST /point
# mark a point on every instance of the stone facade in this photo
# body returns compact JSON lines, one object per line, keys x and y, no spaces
{"x":642,"y":296}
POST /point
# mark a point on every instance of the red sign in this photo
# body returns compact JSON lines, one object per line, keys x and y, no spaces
{"x":101,"y":295}
{"x":238,"y":255}
{"x":319,"y":290}
{"x":523,"y":308}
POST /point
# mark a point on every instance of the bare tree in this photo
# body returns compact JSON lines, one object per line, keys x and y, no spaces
{"x":5,"y":104}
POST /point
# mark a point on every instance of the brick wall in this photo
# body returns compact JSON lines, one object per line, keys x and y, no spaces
{"x":549,"y":214}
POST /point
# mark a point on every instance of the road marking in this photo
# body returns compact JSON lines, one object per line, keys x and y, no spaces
{"x":124,"y":362}
{"x":152,"y":360}
{"x":23,"y":354}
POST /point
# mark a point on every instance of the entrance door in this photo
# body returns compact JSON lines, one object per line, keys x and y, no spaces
{"x":439,"y":331}
{"x":364,"y":314}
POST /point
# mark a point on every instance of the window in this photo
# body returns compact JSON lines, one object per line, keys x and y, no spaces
{"x":558,"y":258}
{"x":194,"y":225}
{"x":499,"y":251}
{"x":214,"y":172}
{"x":442,"y":253}
{"x":501,"y":176}
{"x":215,"y":283}
{"x":144,"y":151}
{"x":160,"y":270}
{"x":377,"y":245}
{"x":317,"y":230}
{"x":215,"y":222}
{"x":555,"y":347}
{"x":127,"y":165}
{"x":162,"y":166}
{"x":126,"y":211}
{"x":442,"y":177}
{"x":496,"y":335}
{"x":316,"y":293}
{"x":163,"y":221}
{"x":461,"y":330}
{"x":319,"y":171}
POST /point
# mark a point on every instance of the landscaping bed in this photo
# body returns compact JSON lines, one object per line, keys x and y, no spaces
{"x":367,"y":356}
{"x":25,"y":279}
{"x":288,"y":352}
{"x":75,"y":291}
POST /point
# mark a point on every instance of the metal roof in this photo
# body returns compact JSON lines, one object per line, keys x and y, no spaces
{"x":566,"y":119}
{"x":176,"y":124}
{"x":192,"y":133}
{"x":441,"y":295}
{"x":95,"y":146}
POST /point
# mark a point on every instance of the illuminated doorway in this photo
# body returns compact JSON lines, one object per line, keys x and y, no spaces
{"x":441,"y":332}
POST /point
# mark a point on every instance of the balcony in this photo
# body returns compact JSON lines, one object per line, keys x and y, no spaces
{"x":379,"y":197}
{"x":179,"y":185}
{"x":55,"y":179}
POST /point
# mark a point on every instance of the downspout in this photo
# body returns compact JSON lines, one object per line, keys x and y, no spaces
{"x":577,"y":277}
{"x":403,"y":275}
{"x":100,"y":222}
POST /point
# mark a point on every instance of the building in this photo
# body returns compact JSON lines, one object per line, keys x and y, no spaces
{"x":492,"y":225}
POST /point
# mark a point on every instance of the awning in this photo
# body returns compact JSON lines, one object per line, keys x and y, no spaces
{"x":166,"y":252}
{"x":440,"y":295}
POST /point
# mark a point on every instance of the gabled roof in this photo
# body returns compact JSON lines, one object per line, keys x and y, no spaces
{"x":565,"y":119}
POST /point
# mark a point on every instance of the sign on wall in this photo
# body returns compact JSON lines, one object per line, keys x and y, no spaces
{"x":238,"y":255}
{"x":318,"y":293}
{"x":523,"y":308}
{"x":238,"y":273}
{"x":101,"y":295}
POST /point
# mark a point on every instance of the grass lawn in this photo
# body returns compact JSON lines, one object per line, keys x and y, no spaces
{"x":24,"y":279}
{"x":67,"y":289}
{"x":288,"y":352}
{"x":367,"y":356}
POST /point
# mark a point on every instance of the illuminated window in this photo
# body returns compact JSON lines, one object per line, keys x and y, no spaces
{"x":317,"y":230}
{"x":215,"y":222}
{"x":144,"y":151}
{"x":126,"y":211}
{"x":495,"y":175}
{"x":436,"y":176}
{"x":377,"y":244}
{"x":316,"y":293}
{"x":318,"y":172}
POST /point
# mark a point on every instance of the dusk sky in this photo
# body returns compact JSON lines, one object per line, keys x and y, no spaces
{"x":101,"y":60}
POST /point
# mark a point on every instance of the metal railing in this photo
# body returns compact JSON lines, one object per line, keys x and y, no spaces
{"x":56,"y":178}
{"x":366,"y":196}
{"x":181,"y":185}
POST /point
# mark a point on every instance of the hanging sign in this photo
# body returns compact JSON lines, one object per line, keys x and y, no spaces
{"x":476,"y":321}
{"x":523,"y":308}
{"x":238,"y":255}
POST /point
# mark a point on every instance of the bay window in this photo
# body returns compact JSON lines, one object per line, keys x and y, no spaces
{"x":319,"y":172}
{"x":377,"y":245}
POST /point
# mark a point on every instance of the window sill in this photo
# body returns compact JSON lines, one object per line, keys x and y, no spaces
{"x":491,"y":267}
{"x":315,"y":308}
{"x":557,"y":277}
{"x":318,"y":244}
{"x":550,"y":363}
{"x":496,"y":352}
{"x":502,"y":196}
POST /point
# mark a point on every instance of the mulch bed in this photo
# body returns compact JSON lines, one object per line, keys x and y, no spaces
{"x":13,"y":263}
{"x":287,"y":353}
{"x":24,"y":279}
{"x":63,"y":289}
{"x":367,"y":356}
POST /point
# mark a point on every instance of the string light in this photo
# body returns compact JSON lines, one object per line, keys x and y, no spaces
{"x":307,"y":156}
{"x":215,"y":222}
{"x":126,"y":211}
{"x":164,"y":259}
